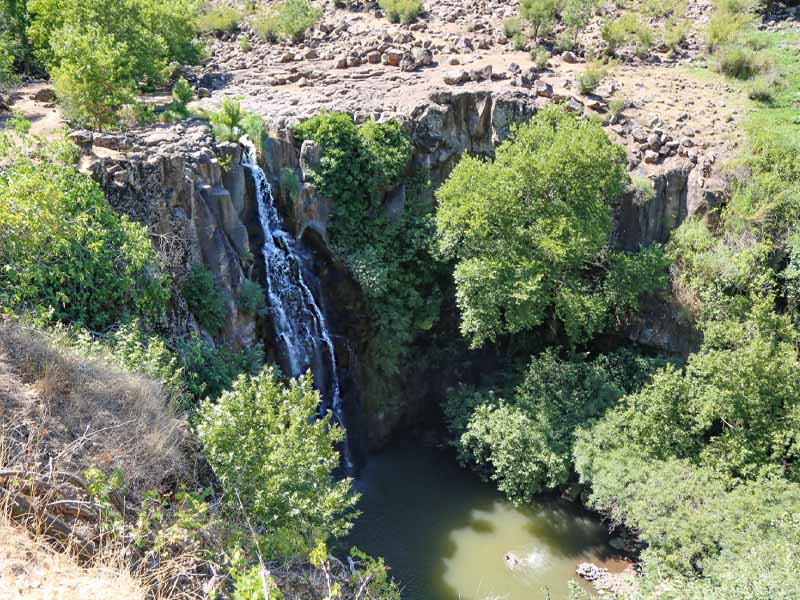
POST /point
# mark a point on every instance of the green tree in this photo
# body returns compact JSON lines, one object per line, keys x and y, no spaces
{"x":525,"y":442}
{"x":529,"y":231}
{"x":63,"y":248}
{"x":541,"y":14}
{"x":275,"y":459}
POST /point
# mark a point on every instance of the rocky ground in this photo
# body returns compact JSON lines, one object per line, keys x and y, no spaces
{"x":356,"y":61}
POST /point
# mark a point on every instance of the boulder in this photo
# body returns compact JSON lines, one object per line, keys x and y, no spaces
{"x":45,"y":95}
{"x":542,"y":88}
{"x":569,"y":58}
{"x":456,"y":77}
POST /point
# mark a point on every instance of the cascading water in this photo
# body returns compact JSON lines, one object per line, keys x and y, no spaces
{"x":300,"y":327}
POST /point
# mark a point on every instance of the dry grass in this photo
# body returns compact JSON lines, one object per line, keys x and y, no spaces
{"x":31,"y":569}
{"x":83,"y":413}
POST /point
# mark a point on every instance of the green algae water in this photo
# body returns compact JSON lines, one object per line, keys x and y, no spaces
{"x":446,"y":534}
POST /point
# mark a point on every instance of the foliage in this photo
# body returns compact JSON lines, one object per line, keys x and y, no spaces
{"x":540,"y":57}
{"x":252,"y":298}
{"x":63,"y":248}
{"x":274,"y":459}
{"x":100,"y":52}
{"x":626,"y":29}
{"x":676,"y":31}
{"x":288,"y":20}
{"x":739,"y":62}
{"x":182,"y":94}
{"x":512,"y":27}
{"x":735,"y":409}
{"x":219,"y":19}
{"x":575,"y":14}
{"x":643,"y":187}
{"x":527,"y":229}
{"x":384,"y":253}
{"x":541,"y":14}
{"x":730,"y":19}
{"x":231,"y":122}
{"x":205,"y":300}
{"x":616,"y":105}
{"x":7,"y":74}
{"x":525,"y":443}
{"x":591,"y":76}
{"x":402,"y":11}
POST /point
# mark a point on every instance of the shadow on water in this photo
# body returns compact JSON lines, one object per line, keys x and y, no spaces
{"x":445,"y":534}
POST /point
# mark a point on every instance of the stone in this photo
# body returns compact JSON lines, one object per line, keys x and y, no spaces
{"x":481,"y":74}
{"x":203,"y":92}
{"x":374,"y":57}
{"x":456,"y":77}
{"x":392,"y":57}
{"x":542,"y":88}
{"x":651,"y":157}
{"x":45,"y":95}
{"x":569,"y":58}
{"x":639,"y":135}
{"x":341,"y":63}
{"x":574,"y":105}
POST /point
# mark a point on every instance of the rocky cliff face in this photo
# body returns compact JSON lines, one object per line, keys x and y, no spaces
{"x":173,"y":181}
{"x":198,"y":202}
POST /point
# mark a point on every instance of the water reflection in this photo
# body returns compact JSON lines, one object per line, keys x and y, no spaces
{"x":448,"y":536}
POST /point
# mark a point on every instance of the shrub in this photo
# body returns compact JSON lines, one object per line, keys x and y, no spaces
{"x":402,"y":11}
{"x":643,"y":187}
{"x":245,"y":44}
{"x":624,"y":30}
{"x":205,"y":299}
{"x":564,"y":42}
{"x":7,"y":75}
{"x":63,"y":248}
{"x":512,"y":269}
{"x":616,"y":104}
{"x":725,"y":28}
{"x":541,"y":14}
{"x":219,"y":19}
{"x":735,"y":61}
{"x":589,"y":79}
{"x":288,"y":20}
{"x":252,"y":298}
{"x":512,"y":27}
{"x":389,"y":258}
{"x":540,"y":57}
{"x":518,"y":42}
{"x":675,"y":34}
{"x":274,"y":458}
{"x":764,"y":87}
{"x":525,"y":442}
{"x":231,"y":122}
{"x":100,"y":52}
{"x":576,"y":14}
{"x":182,"y":94}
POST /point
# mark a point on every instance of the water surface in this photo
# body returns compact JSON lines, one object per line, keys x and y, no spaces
{"x":445,"y":534}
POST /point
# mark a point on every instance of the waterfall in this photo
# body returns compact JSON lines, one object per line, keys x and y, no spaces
{"x":300,"y":328}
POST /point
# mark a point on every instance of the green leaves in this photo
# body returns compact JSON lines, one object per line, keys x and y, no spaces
{"x":64,"y":248}
{"x":270,"y":452}
{"x":529,"y":233}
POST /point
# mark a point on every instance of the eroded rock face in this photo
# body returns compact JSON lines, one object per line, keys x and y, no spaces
{"x":196,"y":213}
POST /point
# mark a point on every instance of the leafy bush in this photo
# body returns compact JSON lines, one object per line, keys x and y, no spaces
{"x":100,"y":52}
{"x":764,"y":87}
{"x":591,"y":76}
{"x":402,"y":11}
{"x":616,"y":105}
{"x":541,"y":14}
{"x":575,"y":14}
{"x":676,"y":31}
{"x":523,"y":228}
{"x":540,"y":57}
{"x":512,"y":27}
{"x":525,"y":443}
{"x":643,"y":187}
{"x":219,"y":19}
{"x":252,"y":298}
{"x":205,"y":299}
{"x":288,"y":20}
{"x":63,"y":248}
{"x":623,"y":30}
{"x":275,"y":459}
{"x":358,"y":166}
{"x":738,"y":61}
{"x":7,"y":74}
{"x":231,"y":122}
{"x":725,"y":27}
